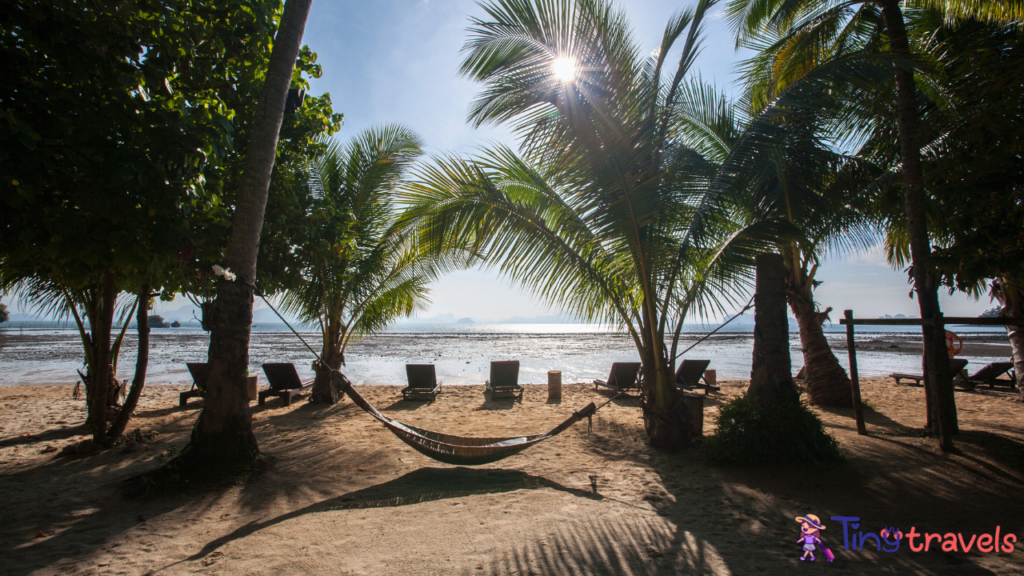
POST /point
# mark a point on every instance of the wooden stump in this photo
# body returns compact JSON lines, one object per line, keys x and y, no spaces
{"x":694,"y":404}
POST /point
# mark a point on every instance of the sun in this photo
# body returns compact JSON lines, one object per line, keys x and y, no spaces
{"x":564,"y":68}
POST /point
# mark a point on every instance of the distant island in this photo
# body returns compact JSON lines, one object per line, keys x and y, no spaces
{"x":465,"y":321}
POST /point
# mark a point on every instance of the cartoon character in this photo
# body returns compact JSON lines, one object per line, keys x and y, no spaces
{"x":810,"y":536}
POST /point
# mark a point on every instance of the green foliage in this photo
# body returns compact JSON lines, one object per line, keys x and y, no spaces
{"x":749,"y":434}
{"x":358,"y":271}
{"x":4,"y":316}
{"x":606,"y":213}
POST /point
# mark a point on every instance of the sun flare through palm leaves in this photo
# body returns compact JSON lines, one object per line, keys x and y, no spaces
{"x":564,"y":68}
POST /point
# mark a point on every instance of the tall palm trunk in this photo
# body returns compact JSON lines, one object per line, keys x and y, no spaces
{"x":826,"y":381}
{"x":938,"y":379}
{"x":222,"y":439}
{"x":771,"y":376}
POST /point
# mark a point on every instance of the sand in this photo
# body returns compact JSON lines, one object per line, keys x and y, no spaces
{"x":344,"y":496}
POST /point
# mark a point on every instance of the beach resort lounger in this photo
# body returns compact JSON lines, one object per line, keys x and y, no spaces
{"x":624,"y":376}
{"x":199,"y":371}
{"x":422,"y":381}
{"x":956,"y":365}
{"x":990,"y":374}
{"x":504,"y":381}
{"x":690,"y":374}
{"x":284,"y":382}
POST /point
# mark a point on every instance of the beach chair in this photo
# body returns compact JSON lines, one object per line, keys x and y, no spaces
{"x":284,"y":382}
{"x":422,"y":381}
{"x":690,"y":374}
{"x":990,"y":373}
{"x":956,"y":365}
{"x":200,"y":371}
{"x":504,"y":381}
{"x":623,"y":376}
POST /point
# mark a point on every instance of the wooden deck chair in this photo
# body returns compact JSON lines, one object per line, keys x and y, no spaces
{"x":623,"y":376}
{"x":284,"y":382}
{"x":956,"y":366}
{"x":990,"y":373}
{"x":504,"y":381}
{"x":690,"y":374}
{"x":200,"y":371}
{"x":422,"y":381}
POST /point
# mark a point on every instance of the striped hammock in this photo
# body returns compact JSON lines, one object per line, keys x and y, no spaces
{"x":453,"y":449}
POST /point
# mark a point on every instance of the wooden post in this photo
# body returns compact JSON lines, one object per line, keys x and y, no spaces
{"x":858,"y":408}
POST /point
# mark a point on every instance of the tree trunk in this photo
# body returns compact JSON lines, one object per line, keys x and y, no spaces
{"x":938,"y":379}
{"x":141,"y":364}
{"x":326,"y":389}
{"x":1011,"y":298}
{"x":771,"y":376}
{"x":827,"y":382}
{"x":98,"y":390}
{"x":222,"y":439}
{"x":664,"y":407}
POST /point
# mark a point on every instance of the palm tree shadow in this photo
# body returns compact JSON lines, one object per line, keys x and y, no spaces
{"x":423,"y":485}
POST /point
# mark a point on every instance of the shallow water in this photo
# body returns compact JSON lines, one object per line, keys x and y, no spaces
{"x":461,"y":353}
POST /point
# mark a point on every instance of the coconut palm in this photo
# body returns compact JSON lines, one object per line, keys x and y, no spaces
{"x":797,"y":176}
{"x":606,"y":213}
{"x":361,"y":272}
{"x":797,"y":38}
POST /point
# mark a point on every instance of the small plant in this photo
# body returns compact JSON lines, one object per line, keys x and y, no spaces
{"x":749,"y":434}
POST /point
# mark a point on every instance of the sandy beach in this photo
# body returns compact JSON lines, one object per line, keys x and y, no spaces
{"x":344,"y":496}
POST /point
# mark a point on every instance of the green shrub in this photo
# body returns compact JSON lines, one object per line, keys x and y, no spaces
{"x":750,"y":434}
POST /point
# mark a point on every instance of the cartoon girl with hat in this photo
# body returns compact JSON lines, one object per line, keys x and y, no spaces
{"x":810,"y":535}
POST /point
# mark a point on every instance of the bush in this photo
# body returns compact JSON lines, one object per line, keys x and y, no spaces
{"x":750,"y":434}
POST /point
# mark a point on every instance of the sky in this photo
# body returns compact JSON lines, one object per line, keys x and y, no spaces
{"x":397,"y":61}
{"x":387,"y":61}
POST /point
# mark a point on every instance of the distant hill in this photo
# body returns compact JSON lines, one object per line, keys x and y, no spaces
{"x":465,"y":321}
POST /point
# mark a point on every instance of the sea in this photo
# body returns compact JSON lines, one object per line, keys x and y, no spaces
{"x":51,"y":353}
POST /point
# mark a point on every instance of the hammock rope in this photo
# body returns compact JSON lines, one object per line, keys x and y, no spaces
{"x":750,"y":304}
{"x":448,"y":448}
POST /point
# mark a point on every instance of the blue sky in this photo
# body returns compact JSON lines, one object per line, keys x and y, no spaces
{"x":397,"y":61}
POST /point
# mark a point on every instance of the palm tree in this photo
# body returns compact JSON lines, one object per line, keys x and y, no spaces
{"x":801,"y":180}
{"x":361,"y":271}
{"x":607,"y":214}
{"x":798,"y":37}
{"x":222,"y":439}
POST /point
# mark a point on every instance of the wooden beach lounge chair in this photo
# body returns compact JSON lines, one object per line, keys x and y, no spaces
{"x":623,"y":376}
{"x":422,"y":381}
{"x":956,"y":365}
{"x":284,"y":382}
{"x":990,"y":373}
{"x":690,"y":374}
{"x":504,"y":381}
{"x":199,"y":371}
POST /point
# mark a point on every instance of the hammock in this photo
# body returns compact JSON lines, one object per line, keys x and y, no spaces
{"x":452,"y":449}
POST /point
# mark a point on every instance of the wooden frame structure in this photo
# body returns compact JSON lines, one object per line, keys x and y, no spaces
{"x":849,"y":321}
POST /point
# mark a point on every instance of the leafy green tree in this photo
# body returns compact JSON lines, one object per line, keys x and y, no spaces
{"x":608,"y":215}
{"x":361,"y":271}
{"x":123,"y":122}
